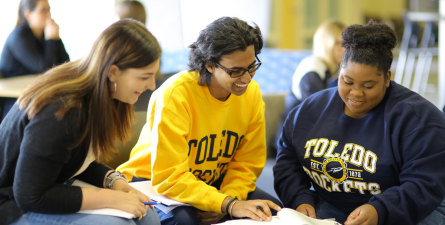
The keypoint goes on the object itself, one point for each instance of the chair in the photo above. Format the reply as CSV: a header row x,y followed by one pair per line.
x,y
414,54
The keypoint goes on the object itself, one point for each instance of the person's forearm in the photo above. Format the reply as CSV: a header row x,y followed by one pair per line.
x,y
95,198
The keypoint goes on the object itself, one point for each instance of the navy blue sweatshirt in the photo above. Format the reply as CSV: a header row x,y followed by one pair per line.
x,y
393,158
36,160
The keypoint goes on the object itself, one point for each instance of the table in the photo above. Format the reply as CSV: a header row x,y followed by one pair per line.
x,y
13,87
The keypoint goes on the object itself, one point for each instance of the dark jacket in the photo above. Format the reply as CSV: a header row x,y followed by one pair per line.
x,y
36,160
24,54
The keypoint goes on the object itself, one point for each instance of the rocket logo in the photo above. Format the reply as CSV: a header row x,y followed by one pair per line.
x,y
335,169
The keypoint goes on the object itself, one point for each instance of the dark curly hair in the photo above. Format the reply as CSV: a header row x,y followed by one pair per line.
x,y
222,37
369,44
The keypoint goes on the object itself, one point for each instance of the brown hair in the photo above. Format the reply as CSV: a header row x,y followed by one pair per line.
x,y
84,84
132,9
25,5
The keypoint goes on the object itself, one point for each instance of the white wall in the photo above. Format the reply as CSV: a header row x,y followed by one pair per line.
x,y
81,22
176,23
8,17
197,14
164,21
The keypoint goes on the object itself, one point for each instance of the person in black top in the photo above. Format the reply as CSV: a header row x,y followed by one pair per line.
x,y
33,46
65,122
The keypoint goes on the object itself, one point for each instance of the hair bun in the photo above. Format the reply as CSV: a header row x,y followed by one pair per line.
x,y
372,35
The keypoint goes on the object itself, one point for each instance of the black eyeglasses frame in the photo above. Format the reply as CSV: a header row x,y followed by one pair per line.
x,y
256,65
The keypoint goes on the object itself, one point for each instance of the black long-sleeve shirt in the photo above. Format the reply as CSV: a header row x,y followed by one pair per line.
x,y
35,161
24,54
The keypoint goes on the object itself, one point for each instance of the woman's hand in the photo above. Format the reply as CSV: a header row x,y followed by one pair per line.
x,y
365,214
209,217
51,30
96,198
121,185
130,202
307,210
258,210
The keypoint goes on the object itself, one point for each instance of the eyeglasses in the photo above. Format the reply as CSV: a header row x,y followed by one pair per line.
x,y
241,72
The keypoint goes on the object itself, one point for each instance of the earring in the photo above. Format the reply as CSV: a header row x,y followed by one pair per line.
x,y
115,87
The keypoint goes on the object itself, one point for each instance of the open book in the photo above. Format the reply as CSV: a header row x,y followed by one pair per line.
x,y
286,216
166,204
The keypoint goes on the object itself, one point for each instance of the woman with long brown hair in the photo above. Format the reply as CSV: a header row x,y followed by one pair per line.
x,y
65,122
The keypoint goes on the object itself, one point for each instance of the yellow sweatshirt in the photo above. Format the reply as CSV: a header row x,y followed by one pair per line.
x,y
190,138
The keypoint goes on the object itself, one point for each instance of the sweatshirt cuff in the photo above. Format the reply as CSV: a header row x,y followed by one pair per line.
x,y
233,193
304,199
215,201
381,211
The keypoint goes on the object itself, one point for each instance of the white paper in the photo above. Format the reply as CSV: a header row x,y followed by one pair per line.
x,y
286,216
167,203
146,188
109,212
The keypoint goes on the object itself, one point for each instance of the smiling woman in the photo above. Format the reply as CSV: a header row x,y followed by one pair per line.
x,y
371,148
361,88
132,81
66,121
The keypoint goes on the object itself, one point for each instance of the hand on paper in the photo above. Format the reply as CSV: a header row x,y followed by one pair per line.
x,y
365,214
307,210
131,202
96,198
258,210
120,185
209,217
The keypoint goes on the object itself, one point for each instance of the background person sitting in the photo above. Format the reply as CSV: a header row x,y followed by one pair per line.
x,y
316,72
33,46
132,9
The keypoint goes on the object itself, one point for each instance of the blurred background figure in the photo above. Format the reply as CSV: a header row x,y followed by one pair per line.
x,y
131,9
32,47
315,72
